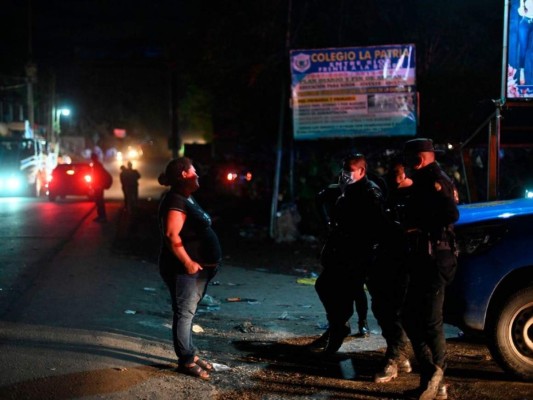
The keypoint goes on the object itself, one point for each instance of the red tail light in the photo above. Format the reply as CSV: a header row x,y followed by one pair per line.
x,y
231,176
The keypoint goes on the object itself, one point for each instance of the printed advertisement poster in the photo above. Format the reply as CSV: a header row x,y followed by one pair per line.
x,y
354,92
520,50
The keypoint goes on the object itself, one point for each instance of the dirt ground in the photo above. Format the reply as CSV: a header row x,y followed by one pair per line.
x,y
270,360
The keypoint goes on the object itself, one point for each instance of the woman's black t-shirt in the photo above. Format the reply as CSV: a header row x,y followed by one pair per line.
x,y
199,239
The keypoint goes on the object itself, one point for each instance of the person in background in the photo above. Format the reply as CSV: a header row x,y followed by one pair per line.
x,y
387,281
122,177
101,180
430,212
357,218
129,178
189,258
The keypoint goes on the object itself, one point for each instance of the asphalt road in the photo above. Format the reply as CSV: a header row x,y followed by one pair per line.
x,y
94,323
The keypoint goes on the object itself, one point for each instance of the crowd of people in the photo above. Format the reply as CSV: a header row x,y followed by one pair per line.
x,y
400,244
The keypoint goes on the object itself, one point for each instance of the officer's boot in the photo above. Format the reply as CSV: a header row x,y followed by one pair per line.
x,y
442,393
320,343
364,331
388,373
392,368
430,390
336,338
404,365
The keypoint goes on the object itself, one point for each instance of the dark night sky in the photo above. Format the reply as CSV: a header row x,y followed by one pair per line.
x,y
111,59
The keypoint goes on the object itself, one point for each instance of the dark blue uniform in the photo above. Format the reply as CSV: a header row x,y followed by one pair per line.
x,y
430,212
357,219
387,280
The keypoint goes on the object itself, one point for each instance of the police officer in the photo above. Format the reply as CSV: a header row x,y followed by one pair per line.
x,y
430,212
326,200
387,281
357,219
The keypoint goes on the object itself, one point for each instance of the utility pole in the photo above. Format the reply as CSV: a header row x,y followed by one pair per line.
x,y
493,175
31,71
279,146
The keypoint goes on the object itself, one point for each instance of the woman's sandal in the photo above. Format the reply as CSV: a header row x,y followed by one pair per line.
x,y
194,370
204,364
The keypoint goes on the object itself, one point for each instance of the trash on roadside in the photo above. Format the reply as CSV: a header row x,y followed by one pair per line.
x,y
300,270
208,300
121,369
246,327
220,367
131,312
323,325
286,316
149,289
287,220
239,300
197,329
215,283
306,281
208,309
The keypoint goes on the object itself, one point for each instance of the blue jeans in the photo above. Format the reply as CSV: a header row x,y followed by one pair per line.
x,y
186,291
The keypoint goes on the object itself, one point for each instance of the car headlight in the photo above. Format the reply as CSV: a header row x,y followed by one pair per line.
x,y
11,183
133,154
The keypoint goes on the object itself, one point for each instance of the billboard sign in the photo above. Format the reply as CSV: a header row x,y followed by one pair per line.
x,y
354,92
519,74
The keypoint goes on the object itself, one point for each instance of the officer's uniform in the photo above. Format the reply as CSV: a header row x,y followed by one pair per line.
x,y
387,283
357,219
431,264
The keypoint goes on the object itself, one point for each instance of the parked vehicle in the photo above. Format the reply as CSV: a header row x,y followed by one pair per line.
x,y
70,180
130,153
25,162
492,292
